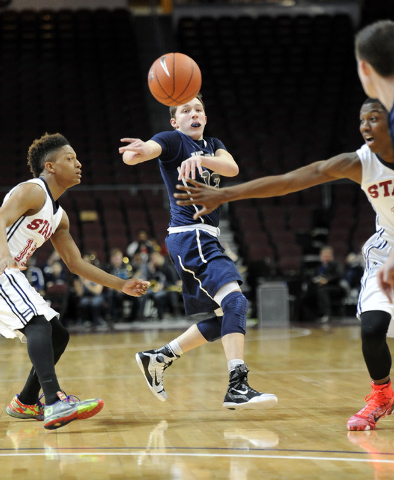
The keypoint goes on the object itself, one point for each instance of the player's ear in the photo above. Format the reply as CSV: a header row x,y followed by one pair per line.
x,y
365,67
49,167
174,123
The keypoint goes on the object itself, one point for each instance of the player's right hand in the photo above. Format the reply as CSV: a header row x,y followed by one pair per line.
x,y
9,262
135,287
385,278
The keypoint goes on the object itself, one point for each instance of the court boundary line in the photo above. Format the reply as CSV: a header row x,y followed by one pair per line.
x,y
55,453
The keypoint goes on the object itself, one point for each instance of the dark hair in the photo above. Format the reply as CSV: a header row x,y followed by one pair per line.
x,y
173,109
375,44
41,149
374,100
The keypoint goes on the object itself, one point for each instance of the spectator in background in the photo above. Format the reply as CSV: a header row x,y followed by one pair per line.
x,y
138,266
115,298
47,266
354,269
57,291
141,245
90,297
165,285
324,288
35,276
57,274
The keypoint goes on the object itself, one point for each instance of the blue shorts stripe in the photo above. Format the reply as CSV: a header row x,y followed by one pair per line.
x,y
25,299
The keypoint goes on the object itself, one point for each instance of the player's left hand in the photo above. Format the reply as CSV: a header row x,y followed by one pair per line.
x,y
135,287
189,166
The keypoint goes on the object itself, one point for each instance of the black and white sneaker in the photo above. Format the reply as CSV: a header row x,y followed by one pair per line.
x,y
241,396
152,364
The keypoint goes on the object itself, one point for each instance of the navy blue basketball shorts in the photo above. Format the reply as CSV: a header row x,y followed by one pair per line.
x,y
203,267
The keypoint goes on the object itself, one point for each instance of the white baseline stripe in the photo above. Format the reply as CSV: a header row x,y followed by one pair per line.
x,y
212,455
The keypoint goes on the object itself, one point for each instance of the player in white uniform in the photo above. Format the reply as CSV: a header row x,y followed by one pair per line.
x,y
374,48
30,215
372,166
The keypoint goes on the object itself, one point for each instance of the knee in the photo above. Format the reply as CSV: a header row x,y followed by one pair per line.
x,y
372,337
210,329
60,336
235,308
374,326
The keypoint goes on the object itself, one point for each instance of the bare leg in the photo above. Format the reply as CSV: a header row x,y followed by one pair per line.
x,y
190,339
233,345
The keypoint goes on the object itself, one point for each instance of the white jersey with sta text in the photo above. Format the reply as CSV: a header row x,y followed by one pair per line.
x,y
19,301
30,232
378,185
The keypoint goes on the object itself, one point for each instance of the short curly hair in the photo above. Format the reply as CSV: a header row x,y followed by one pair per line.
x,y
41,149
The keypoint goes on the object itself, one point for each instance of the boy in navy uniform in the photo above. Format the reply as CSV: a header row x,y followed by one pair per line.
x,y
211,282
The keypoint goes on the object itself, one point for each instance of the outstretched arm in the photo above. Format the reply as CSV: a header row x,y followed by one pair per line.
x,y
346,165
69,252
138,151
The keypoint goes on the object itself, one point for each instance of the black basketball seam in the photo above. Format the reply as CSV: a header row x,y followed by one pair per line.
x,y
160,85
187,86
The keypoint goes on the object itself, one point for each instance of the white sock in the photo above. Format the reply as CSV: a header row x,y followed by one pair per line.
x,y
175,347
233,363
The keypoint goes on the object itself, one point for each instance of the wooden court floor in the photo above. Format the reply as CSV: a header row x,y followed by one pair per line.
x,y
318,375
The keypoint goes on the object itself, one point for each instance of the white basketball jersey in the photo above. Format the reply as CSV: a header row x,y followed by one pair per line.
x,y
19,301
30,232
378,184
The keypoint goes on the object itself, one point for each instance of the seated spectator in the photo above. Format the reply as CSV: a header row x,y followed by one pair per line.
x,y
57,291
90,297
116,299
56,275
141,245
47,266
354,269
324,288
35,276
165,285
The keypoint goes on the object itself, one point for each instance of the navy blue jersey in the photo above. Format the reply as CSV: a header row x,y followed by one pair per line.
x,y
177,147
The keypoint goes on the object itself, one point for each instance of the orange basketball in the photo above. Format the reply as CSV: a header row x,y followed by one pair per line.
x,y
174,79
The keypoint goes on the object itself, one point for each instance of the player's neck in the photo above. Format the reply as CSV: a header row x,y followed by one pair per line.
x,y
54,187
385,92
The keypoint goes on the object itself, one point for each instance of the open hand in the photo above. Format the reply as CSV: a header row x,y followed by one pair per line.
x,y
200,194
135,287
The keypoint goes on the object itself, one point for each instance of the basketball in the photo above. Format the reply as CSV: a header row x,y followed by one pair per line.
x,y
174,79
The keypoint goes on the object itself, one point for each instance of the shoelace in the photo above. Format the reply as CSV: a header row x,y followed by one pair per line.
x,y
160,374
39,403
376,399
242,383
70,398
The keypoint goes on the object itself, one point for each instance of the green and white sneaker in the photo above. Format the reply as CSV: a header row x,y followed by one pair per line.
x,y
69,408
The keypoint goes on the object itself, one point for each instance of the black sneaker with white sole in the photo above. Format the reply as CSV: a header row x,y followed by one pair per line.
x,y
152,364
241,396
